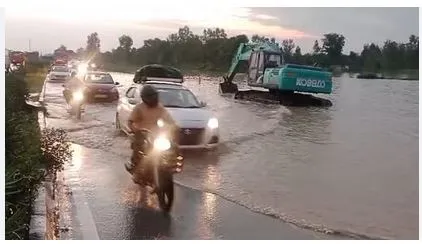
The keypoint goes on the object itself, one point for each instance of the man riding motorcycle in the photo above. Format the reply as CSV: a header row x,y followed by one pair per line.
x,y
145,115
72,85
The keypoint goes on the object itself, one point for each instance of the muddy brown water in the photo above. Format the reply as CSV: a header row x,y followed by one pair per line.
x,y
352,167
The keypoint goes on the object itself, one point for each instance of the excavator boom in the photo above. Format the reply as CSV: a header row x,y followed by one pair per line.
x,y
240,62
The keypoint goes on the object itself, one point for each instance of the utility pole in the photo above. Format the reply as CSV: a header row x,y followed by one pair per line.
x,y
29,44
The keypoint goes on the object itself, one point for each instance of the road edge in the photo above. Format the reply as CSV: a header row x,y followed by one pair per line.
x,y
44,216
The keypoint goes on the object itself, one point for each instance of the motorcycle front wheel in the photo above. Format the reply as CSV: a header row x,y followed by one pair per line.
x,y
78,113
166,191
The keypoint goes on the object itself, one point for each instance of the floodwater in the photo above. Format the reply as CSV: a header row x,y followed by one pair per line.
x,y
352,167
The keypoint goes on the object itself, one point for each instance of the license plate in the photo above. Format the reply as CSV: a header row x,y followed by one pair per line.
x,y
101,96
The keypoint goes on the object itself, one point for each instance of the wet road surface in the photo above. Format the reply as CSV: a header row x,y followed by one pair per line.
x,y
349,168
105,204
98,199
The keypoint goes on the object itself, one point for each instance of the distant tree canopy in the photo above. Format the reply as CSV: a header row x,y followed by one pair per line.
x,y
214,50
93,44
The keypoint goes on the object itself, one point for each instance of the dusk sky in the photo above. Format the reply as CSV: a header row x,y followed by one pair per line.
x,y
49,26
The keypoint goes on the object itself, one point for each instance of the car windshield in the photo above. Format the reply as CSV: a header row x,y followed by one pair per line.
x,y
99,78
60,69
178,98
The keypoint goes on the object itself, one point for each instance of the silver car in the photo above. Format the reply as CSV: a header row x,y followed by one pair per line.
x,y
59,74
199,129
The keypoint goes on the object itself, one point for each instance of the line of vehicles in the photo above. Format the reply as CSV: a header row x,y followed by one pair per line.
x,y
198,127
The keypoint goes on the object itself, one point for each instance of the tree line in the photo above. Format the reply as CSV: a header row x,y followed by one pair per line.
x,y
213,50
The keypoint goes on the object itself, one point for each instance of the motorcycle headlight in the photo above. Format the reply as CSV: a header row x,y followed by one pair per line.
x,y
161,143
78,96
82,68
160,123
213,123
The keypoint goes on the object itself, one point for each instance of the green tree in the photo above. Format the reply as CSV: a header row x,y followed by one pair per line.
x,y
354,61
391,54
125,42
123,52
209,34
297,56
332,46
258,38
214,50
287,47
412,54
93,44
316,47
371,56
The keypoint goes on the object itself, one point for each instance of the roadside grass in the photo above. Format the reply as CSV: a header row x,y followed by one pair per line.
x,y
31,154
34,79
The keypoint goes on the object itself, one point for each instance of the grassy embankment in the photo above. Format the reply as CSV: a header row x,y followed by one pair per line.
x,y
31,154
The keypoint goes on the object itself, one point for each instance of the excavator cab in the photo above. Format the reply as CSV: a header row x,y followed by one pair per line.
x,y
259,62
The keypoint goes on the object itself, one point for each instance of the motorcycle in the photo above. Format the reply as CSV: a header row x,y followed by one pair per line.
x,y
159,160
77,101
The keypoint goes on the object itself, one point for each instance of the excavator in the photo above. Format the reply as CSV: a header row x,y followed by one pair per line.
x,y
272,80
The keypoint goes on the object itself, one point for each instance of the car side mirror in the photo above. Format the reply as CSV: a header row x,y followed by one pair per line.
x,y
203,104
116,83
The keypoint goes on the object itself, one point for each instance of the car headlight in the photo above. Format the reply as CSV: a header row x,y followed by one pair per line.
x,y
78,96
161,143
213,123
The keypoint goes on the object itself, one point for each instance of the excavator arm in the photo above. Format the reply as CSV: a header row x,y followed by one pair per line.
x,y
240,63
241,58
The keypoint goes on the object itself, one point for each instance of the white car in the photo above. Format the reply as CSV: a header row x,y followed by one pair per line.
x,y
59,74
198,127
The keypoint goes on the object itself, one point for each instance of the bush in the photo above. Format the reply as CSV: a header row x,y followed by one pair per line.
x,y
30,156
56,150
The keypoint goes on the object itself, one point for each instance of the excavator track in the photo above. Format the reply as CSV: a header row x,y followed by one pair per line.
x,y
293,99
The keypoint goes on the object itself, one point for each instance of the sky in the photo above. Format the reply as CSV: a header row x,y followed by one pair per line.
x,y
46,27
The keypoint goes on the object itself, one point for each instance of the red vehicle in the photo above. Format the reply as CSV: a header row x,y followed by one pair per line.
x,y
59,62
17,58
101,86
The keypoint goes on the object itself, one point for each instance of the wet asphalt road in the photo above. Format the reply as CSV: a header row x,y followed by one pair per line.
x,y
105,204
98,200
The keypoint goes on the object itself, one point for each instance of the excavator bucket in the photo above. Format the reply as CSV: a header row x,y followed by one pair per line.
x,y
228,87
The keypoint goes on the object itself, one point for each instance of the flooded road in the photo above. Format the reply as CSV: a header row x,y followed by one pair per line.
x,y
350,168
